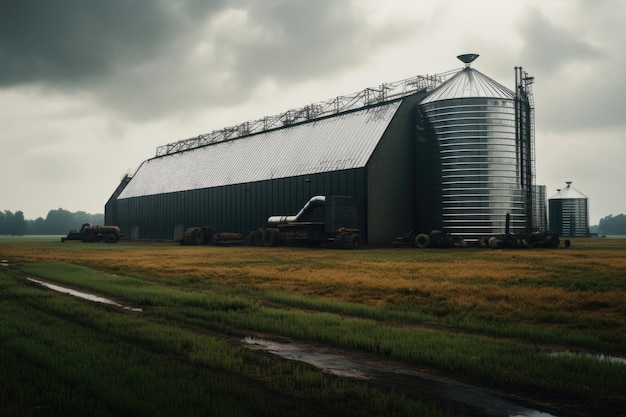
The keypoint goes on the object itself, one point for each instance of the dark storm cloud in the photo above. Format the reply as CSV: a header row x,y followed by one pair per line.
x,y
142,59
65,42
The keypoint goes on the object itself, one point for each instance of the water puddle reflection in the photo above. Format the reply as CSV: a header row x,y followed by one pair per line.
x,y
599,357
83,295
343,364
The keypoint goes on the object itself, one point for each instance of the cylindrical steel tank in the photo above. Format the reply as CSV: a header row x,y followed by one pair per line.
x,y
569,212
473,162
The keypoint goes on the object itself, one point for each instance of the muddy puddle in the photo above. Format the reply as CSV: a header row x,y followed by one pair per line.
x,y
345,365
599,357
83,295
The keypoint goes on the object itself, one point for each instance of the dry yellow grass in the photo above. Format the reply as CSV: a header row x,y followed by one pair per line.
x,y
587,279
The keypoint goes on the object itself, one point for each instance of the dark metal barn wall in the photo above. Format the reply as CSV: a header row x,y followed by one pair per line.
x,y
391,177
110,208
235,208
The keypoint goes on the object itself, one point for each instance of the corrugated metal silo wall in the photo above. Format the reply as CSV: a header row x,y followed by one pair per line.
x,y
568,217
234,208
555,218
391,177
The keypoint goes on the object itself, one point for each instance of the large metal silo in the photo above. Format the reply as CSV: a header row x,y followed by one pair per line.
x,y
569,212
474,156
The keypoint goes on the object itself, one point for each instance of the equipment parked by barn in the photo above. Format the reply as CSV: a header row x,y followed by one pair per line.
x,y
339,212
545,239
433,239
89,233
205,235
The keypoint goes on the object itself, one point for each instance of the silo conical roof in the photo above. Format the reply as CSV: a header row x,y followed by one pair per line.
x,y
469,83
568,192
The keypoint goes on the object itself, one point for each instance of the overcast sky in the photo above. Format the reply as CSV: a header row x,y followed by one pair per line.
x,y
90,89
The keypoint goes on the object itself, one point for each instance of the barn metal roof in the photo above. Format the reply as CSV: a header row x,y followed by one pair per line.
x,y
469,83
341,142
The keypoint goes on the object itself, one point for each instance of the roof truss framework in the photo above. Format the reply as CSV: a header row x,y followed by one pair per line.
x,y
341,104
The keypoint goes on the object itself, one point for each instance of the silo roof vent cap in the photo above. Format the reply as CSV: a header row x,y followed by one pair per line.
x,y
467,59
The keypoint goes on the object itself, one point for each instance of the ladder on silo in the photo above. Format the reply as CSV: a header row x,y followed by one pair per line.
x,y
535,217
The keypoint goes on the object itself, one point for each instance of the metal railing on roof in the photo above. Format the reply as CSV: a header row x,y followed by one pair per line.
x,y
341,104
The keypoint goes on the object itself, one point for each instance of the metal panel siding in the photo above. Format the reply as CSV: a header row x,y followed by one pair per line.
x,y
391,178
342,142
236,208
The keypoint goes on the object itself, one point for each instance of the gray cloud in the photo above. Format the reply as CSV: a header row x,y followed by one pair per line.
x,y
305,39
69,42
143,59
549,48
577,68
117,78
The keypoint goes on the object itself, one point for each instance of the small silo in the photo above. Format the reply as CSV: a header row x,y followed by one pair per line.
x,y
569,212
474,156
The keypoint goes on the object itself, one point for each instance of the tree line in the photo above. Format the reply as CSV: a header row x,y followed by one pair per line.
x,y
57,222
613,225
60,221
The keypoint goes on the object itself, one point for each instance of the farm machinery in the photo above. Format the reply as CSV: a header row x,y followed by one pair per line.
x,y
297,230
433,239
439,239
89,233
544,239
205,235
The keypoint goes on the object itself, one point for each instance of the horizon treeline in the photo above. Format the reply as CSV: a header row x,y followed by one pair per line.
x,y
613,225
57,222
61,221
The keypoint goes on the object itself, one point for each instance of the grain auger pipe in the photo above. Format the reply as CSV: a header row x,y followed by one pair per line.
x,y
312,204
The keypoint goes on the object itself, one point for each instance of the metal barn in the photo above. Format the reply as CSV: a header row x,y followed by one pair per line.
x,y
425,153
236,184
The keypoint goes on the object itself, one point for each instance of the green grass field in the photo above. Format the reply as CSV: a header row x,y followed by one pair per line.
x,y
489,318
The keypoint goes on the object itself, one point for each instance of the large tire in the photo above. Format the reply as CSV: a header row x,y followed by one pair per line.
x,y
551,241
258,237
494,242
197,237
110,238
354,241
250,238
422,241
271,237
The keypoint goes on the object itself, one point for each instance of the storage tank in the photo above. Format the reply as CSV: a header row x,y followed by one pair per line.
x,y
474,156
569,212
540,209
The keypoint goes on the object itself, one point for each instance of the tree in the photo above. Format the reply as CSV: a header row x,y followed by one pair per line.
x,y
19,224
57,222
12,223
60,221
613,225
